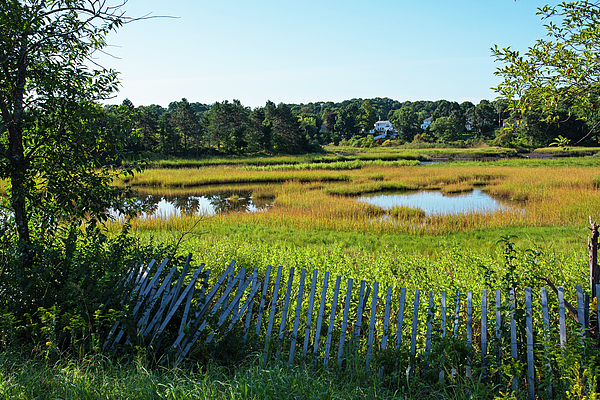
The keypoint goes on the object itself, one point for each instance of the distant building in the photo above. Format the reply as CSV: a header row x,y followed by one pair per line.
x,y
426,123
383,130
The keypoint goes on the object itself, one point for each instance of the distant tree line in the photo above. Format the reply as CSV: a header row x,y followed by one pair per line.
x,y
194,129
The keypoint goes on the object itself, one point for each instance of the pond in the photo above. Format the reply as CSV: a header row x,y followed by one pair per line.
x,y
438,203
207,204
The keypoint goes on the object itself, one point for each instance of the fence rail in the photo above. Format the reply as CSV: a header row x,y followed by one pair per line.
x,y
361,322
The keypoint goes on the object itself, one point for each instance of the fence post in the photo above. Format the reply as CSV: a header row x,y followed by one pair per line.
x,y
336,293
272,313
372,324
321,311
311,304
413,339
513,336
297,318
529,333
345,321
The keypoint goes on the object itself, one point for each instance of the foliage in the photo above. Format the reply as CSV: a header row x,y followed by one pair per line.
x,y
558,72
59,149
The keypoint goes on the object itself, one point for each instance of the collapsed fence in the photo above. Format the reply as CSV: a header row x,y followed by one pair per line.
x,y
508,335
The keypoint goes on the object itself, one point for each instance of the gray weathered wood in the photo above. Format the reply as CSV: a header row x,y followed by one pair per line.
x,y
359,311
562,320
513,334
309,316
250,306
499,325
469,332
413,338
286,307
386,323
297,317
580,310
336,292
272,314
400,317
429,324
456,313
546,322
182,340
529,335
321,311
176,304
345,321
483,326
263,297
415,322
372,324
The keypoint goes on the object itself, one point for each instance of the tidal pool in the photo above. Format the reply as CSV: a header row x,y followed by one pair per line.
x,y
437,203
208,204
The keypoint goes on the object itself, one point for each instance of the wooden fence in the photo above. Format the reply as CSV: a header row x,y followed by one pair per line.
x,y
330,321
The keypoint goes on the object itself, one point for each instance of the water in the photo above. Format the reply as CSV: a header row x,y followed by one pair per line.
x,y
438,203
208,204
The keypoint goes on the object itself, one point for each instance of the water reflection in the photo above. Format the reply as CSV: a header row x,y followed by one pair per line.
x,y
207,204
438,203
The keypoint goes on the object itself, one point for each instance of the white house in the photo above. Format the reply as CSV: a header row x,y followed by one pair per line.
x,y
383,126
426,123
383,129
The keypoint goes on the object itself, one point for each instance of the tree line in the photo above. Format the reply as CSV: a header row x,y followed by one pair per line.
x,y
195,129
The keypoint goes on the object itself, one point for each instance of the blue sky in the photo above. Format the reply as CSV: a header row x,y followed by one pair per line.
x,y
327,50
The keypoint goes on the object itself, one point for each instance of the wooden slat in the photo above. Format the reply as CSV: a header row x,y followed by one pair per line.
x,y
336,292
263,297
345,321
562,320
178,302
499,325
400,317
272,314
182,340
297,317
386,323
359,311
187,344
483,326
309,316
413,339
529,335
186,310
443,312
513,334
321,311
250,306
469,332
284,314
231,308
372,324
429,324
580,310
456,313
546,322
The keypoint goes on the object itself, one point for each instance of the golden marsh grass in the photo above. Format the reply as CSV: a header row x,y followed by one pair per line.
x,y
322,199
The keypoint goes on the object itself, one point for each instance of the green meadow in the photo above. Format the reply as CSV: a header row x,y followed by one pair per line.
x,y
316,222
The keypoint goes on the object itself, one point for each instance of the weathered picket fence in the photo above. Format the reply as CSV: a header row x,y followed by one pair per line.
x,y
359,324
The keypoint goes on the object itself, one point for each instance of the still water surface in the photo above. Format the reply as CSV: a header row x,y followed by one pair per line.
x,y
208,204
438,203
243,202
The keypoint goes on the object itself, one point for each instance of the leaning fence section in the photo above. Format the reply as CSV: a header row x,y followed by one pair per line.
x,y
312,317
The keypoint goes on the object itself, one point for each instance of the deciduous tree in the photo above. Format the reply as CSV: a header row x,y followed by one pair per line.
x,y
561,71
59,148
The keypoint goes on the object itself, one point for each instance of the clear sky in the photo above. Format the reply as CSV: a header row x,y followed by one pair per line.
x,y
325,50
